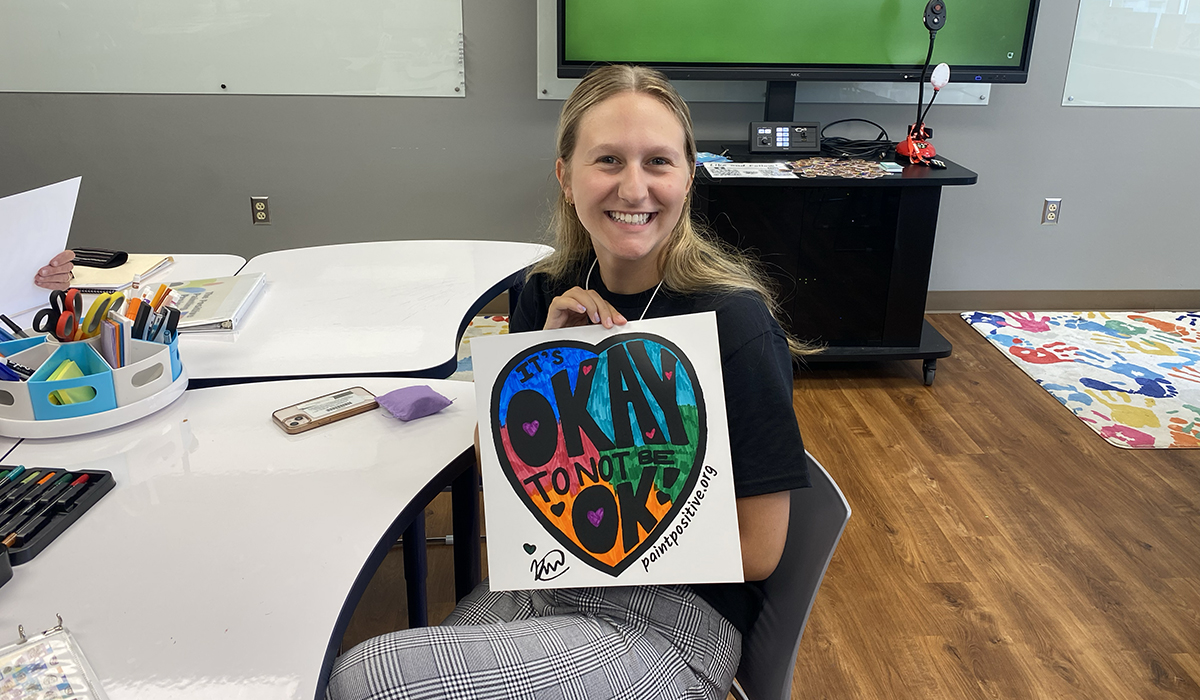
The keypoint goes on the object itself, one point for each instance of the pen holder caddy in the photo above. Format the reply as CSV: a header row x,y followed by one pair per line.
x,y
153,374
98,484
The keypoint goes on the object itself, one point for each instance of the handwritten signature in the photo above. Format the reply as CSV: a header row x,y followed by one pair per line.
x,y
547,568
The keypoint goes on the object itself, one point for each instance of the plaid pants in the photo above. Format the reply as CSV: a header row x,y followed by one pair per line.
x,y
638,643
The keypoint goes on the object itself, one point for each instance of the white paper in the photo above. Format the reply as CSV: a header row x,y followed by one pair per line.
x,y
33,229
559,509
751,170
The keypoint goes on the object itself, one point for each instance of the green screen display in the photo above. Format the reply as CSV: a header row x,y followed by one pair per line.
x,y
831,33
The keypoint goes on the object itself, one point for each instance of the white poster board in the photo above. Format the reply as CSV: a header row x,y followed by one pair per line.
x,y
606,456
244,47
1135,53
34,226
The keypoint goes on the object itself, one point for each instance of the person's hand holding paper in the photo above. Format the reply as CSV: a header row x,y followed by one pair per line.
x,y
33,229
57,274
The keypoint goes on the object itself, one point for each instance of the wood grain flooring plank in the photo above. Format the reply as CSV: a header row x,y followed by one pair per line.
x,y
1074,562
1190,663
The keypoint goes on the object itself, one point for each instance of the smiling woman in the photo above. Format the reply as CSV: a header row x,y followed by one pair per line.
x,y
628,181
626,248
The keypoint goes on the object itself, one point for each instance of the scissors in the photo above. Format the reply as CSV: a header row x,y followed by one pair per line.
x,y
63,317
98,312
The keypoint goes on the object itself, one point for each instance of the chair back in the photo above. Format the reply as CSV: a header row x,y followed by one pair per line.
x,y
818,517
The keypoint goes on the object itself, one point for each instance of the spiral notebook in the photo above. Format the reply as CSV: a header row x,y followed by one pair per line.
x,y
96,280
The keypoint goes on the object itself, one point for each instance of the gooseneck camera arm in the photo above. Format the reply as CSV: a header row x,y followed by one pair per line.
x,y
924,74
935,19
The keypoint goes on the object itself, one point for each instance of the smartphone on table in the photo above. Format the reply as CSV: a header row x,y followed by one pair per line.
x,y
323,410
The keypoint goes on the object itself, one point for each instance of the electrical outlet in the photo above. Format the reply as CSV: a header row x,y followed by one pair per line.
x,y
260,213
1051,211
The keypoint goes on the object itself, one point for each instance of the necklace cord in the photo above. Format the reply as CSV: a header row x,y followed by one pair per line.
x,y
587,285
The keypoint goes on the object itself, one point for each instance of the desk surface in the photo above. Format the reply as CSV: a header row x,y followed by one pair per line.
x,y
218,565
192,266
388,307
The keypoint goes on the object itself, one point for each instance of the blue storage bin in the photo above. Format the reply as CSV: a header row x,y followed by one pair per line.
x,y
12,347
176,363
97,375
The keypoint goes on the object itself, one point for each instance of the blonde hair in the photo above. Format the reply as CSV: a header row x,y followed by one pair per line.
x,y
693,260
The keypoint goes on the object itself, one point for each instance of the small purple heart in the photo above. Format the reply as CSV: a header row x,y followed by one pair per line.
x,y
595,516
530,427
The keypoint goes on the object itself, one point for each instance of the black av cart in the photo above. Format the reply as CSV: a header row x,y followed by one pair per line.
x,y
851,257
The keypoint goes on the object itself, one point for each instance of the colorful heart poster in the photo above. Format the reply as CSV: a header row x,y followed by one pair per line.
x,y
606,456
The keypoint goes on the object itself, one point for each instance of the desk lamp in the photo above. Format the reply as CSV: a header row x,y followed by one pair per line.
x,y
916,146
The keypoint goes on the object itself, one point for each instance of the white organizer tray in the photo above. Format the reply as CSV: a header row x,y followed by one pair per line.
x,y
80,425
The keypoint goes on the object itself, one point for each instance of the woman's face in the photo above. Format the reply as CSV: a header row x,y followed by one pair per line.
x,y
629,177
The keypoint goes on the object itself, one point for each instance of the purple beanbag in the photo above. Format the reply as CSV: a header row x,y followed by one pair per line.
x,y
413,402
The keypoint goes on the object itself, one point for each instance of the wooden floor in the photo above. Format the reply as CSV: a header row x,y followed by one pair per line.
x,y
998,547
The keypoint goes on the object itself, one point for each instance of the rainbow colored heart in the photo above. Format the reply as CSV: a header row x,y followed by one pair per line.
x,y
606,441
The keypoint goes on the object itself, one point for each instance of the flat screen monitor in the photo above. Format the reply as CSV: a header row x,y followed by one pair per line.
x,y
797,40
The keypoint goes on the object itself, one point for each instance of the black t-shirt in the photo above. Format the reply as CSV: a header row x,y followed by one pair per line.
x,y
764,440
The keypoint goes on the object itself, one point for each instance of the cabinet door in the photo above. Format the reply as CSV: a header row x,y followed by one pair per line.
x,y
828,249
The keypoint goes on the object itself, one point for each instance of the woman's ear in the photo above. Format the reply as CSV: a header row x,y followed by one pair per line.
x,y
560,172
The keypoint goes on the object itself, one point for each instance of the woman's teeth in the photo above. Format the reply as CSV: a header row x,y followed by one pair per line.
x,y
623,218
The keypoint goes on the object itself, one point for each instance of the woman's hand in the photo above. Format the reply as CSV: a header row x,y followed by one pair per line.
x,y
57,275
579,307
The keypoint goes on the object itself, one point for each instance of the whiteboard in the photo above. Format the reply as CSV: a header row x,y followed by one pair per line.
x,y
1135,53
258,47
551,87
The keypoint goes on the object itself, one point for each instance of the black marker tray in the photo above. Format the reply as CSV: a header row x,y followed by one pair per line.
x,y
5,567
99,483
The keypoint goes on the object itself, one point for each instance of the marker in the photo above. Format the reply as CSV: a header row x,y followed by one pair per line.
x,y
15,328
31,494
159,296
7,374
21,369
15,491
46,497
35,523
10,479
155,325
170,325
139,323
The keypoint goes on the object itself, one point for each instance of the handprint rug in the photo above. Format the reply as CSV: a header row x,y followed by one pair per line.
x,y
1134,378
605,456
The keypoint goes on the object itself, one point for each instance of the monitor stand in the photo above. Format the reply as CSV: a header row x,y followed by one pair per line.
x,y
781,101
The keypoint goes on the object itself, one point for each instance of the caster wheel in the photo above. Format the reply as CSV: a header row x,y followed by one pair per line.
x,y
930,368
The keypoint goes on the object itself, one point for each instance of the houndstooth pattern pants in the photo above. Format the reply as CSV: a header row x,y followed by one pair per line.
x,y
639,643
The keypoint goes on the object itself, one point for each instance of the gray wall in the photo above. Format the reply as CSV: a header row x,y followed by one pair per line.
x,y
174,173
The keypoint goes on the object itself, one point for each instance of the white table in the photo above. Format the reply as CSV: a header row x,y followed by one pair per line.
x,y
389,307
6,445
193,266
229,556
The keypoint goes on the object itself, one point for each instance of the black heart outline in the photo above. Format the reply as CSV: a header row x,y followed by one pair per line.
x,y
684,493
